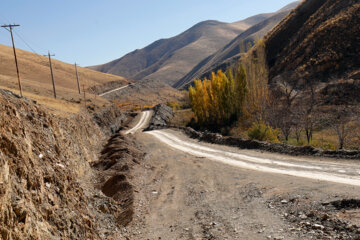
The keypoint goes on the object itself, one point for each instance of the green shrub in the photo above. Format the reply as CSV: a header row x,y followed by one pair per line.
x,y
324,145
262,132
174,105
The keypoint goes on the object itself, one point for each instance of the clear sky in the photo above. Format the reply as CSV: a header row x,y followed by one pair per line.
x,y
93,32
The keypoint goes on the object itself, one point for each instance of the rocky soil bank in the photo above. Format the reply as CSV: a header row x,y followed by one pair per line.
x,y
48,187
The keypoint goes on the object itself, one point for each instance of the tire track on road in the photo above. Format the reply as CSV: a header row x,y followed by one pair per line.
x,y
324,172
145,116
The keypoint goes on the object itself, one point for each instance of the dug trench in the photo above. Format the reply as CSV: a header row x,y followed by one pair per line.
x,y
117,159
58,180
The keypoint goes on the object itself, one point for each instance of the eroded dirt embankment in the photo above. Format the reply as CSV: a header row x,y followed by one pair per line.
x,y
48,189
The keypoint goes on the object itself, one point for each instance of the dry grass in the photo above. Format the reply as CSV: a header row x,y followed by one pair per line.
x,y
37,85
54,104
182,117
64,107
34,71
325,139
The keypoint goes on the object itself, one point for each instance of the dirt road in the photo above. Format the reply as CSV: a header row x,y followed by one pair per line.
x,y
114,90
191,190
141,122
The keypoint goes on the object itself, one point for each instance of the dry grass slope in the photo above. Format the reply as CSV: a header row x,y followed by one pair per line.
x,y
36,78
319,41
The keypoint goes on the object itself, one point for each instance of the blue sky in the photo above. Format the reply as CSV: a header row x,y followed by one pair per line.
x,y
93,32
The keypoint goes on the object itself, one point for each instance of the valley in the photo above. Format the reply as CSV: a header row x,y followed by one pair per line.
x,y
247,129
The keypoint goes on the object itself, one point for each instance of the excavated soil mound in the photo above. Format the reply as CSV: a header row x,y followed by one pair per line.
x,y
118,157
47,184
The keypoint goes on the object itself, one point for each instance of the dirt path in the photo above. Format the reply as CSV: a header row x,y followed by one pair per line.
x,y
114,90
141,122
272,163
184,194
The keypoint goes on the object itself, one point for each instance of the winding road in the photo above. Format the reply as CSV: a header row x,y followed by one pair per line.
x,y
141,123
271,163
325,171
186,189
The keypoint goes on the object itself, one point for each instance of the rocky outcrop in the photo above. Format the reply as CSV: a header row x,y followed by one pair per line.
x,y
109,119
46,179
161,117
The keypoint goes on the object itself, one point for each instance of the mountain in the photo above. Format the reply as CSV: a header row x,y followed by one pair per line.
x,y
233,50
36,78
168,60
315,47
319,41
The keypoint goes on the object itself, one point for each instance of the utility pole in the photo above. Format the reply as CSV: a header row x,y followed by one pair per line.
x,y
51,70
77,78
10,26
84,95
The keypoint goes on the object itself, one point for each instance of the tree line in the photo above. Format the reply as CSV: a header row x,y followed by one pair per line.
x,y
289,106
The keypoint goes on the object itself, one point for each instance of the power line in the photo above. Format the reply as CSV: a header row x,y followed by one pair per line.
x,y
4,18
28,45
23,40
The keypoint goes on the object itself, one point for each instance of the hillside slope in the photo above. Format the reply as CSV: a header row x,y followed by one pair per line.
x,y
36,78
168,60
50,187
232,51
319,42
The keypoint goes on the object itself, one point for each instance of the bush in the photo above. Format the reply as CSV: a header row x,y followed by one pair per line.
x,y
174,105
262,132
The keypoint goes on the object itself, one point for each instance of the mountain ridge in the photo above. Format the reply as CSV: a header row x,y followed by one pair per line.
x,y
230,53
168,60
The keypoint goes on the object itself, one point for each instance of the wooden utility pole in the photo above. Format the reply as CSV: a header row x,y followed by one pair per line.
x,y
77,78
52,74
10,26
84,95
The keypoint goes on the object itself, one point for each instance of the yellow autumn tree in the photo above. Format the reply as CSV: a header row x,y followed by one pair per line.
x,y
218,101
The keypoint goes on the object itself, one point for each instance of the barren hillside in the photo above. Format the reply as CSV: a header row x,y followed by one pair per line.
x,y
319,42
